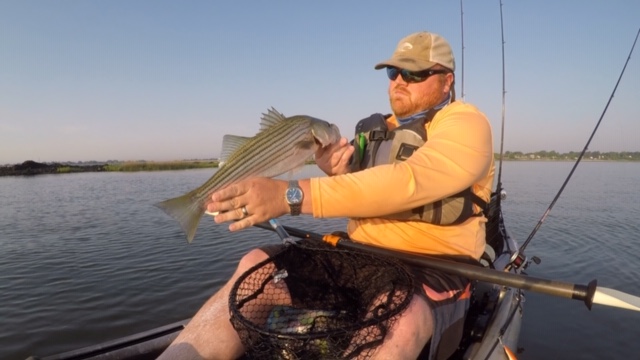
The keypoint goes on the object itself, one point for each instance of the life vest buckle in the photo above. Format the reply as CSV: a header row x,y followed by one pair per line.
x,y
377,135
405,151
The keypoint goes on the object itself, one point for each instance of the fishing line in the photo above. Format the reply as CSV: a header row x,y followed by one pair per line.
x,y
518,253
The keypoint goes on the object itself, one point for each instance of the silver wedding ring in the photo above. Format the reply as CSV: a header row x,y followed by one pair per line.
x,y
244,211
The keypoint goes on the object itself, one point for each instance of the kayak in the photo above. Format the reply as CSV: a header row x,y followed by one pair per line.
x,y
491,332
495,317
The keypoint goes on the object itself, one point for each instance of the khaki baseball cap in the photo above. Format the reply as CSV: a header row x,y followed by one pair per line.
x,y
420,51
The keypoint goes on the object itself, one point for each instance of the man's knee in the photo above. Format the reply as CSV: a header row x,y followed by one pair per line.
x,y
419,317
410,332
250,259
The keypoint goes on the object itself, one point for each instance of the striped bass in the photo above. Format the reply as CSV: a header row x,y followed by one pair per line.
x,y
282,145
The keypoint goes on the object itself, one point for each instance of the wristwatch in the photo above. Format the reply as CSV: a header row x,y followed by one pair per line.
x,y
294,196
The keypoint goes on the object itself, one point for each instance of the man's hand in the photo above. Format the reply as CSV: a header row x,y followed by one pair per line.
x,y
334,159
249,202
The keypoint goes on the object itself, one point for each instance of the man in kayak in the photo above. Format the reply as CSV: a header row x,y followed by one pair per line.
x,y
416,180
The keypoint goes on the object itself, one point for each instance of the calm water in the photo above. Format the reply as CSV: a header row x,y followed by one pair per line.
x,y
85,257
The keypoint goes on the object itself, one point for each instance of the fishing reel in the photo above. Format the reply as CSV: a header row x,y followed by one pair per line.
x,y
520,261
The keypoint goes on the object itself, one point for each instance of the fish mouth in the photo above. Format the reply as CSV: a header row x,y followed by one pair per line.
x,y
335,134
330,136
319,143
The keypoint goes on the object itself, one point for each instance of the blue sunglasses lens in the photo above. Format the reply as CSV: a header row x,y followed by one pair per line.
x,y
392,73
407,76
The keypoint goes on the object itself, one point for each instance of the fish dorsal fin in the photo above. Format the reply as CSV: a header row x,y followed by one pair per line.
x,y
231,143
271,118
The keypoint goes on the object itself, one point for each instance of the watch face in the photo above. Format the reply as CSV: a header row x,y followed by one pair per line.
x,y
294,195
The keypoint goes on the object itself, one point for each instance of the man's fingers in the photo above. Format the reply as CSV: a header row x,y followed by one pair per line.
x,y
229,192
241,224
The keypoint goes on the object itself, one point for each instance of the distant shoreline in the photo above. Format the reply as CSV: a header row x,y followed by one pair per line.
x,y
30,167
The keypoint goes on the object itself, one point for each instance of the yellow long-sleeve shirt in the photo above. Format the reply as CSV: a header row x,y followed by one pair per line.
x,y
457,154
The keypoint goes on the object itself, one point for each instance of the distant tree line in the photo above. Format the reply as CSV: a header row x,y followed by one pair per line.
x,y
572,155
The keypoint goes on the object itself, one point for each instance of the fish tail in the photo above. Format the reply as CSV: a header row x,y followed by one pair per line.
x,y
184,210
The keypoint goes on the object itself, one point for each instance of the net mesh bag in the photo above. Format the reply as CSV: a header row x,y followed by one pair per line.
x,y
313,301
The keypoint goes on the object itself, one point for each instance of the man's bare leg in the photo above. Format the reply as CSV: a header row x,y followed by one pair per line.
x,y
209,334
409,333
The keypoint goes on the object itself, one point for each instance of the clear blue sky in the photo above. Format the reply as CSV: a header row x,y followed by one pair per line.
x,y
165,80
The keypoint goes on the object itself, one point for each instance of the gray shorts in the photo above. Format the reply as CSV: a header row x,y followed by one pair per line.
x,y
448,297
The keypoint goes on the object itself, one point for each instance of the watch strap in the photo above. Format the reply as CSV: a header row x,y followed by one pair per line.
x,y
296,208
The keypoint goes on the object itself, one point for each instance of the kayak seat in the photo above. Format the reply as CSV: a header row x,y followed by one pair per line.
x,y
488,257
495,230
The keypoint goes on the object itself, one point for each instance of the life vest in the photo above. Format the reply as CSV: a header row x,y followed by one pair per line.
x,y
375,145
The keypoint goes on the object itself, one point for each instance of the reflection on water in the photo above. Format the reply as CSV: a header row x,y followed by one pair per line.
x,y
86,258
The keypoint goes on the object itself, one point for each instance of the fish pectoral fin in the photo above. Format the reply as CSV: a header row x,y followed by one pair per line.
x,y
306,144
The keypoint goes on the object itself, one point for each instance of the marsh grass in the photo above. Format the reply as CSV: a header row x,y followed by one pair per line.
x,y
158,166
65,169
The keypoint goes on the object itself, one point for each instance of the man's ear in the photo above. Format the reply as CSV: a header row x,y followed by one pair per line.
x,y
449,79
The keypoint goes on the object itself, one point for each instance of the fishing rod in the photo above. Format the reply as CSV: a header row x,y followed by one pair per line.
x,y
504,93
590,294
518,259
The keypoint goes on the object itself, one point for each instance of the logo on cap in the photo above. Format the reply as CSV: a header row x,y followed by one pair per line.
x,y
406,47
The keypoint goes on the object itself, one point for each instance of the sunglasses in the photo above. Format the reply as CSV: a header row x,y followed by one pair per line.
x,y
412,76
